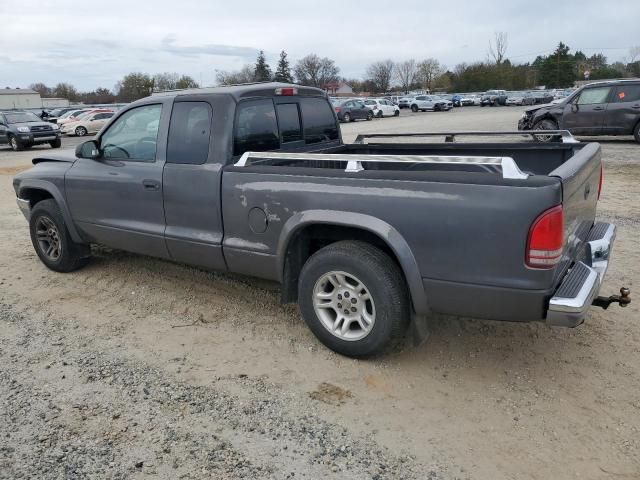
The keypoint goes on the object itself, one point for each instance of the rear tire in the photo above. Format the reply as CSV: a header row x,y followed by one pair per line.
x,y
396,113
380,114
369,116
636,132
81,131
52,241
357,278
346,118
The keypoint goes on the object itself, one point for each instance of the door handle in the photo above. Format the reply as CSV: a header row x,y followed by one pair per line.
x,y
636,107
151,185
598,108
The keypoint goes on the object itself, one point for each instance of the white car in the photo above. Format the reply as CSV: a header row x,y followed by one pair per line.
x,y
421,102
91,123
382,107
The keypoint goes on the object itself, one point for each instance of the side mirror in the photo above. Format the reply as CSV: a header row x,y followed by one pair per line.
x,y
89,150
574,107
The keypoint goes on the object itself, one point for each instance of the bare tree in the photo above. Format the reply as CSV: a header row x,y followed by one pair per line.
x,y
380,74
244,75
634,53
41,88
315,71
498,48
428,71
406,74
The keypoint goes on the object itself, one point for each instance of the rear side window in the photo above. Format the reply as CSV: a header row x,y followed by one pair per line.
x,y
256,127
318,120
627,93
189,133
289,120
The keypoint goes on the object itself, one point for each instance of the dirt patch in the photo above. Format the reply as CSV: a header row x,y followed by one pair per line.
x,y
331,394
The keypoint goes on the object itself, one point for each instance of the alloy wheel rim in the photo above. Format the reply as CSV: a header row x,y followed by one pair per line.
x,y
48,238
344,305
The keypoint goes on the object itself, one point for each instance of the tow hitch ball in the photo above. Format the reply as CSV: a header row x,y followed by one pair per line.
x,y
623,299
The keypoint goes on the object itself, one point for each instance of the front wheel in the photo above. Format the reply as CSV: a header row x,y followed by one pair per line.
x,y
545,124
380,114
396,113
52,241
15,144
414,108
81,131
353,298
636,132
369,115
57,143
346,118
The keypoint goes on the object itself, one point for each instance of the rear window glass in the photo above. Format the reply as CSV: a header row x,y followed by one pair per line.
x,y
318,120
256,127
627,93
289,120
189,133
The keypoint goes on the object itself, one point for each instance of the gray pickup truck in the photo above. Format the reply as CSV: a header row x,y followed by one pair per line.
x,y
255,179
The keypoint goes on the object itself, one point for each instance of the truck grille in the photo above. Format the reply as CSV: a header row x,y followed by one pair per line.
x,y
41,128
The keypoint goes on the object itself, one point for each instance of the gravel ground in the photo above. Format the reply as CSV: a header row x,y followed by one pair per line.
x,y
134,367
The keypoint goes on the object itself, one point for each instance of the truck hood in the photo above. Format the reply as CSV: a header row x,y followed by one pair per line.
x,y
31,124
64,156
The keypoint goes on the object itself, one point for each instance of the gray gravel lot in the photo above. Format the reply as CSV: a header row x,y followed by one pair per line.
x,y
138,368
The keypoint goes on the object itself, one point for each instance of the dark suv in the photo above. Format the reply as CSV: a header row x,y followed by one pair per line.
x,y
603,108
22,130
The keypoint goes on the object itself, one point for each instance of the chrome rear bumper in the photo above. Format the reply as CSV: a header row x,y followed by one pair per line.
x,y
571,301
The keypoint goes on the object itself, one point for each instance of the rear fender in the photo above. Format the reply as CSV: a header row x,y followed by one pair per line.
x,y
383,230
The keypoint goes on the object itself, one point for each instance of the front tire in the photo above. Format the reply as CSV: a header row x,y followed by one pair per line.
x,y
636,132
353,298
414,108
15,144
81,131
396,113
52,241
346,118
57,143
545,124
369,115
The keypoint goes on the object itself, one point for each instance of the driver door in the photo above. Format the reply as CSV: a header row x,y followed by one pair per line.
x,y
116,200
586,114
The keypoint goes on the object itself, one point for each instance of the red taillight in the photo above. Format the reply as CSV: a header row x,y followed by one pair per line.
x,y
337,109
600,181
546,239
286,91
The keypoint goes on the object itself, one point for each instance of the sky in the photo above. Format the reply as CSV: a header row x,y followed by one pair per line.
x,y
94,44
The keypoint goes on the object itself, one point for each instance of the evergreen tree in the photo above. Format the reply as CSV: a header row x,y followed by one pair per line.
x,y
283,72
262,72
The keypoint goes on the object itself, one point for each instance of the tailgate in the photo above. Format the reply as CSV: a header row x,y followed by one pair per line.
x,y
580,176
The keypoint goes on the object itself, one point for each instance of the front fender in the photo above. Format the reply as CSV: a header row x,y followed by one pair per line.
x,y
380,228
51,188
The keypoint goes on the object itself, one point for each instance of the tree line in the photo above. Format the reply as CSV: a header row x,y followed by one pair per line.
x,y
133,86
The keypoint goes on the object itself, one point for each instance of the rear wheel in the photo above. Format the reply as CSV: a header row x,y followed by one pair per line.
x,y
636,132
414,108
353,298
380,114
369,115
51,239
346,118
81,131
396,113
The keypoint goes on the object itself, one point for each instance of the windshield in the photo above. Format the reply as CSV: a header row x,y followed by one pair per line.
x,y
21,117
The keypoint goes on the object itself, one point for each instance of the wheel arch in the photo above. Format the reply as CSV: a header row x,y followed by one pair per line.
x,y
306,232
37,190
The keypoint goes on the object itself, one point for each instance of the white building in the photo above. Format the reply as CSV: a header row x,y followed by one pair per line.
x,y
55,102
19,98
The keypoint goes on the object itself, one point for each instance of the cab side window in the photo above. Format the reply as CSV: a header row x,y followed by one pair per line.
x,y
133,136
627,93
189,133
593,96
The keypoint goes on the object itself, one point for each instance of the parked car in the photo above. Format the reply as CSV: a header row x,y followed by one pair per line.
x,y
405,102
86,124
382,107
352,110
470,100
541,97
520,98
457,100
22,130
494,98
56,113
340,226
72,115
603,108
441,103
